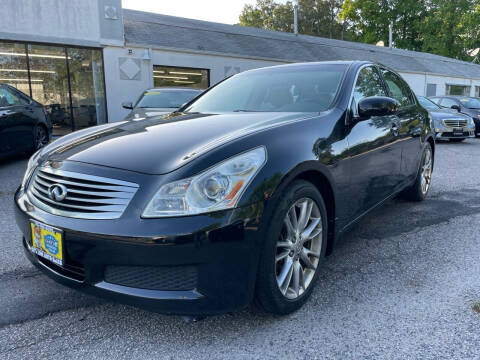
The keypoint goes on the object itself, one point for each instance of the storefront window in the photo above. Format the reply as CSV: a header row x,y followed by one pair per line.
x,y
180,77
49,81
86,81
13,66
477,91
69,82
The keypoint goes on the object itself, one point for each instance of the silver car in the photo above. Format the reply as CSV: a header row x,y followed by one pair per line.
x,y
159,101
448,124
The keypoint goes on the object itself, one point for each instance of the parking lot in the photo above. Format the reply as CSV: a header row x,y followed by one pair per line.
x,y
401,284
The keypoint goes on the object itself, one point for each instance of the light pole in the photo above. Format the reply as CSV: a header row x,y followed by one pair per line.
x,y
295,17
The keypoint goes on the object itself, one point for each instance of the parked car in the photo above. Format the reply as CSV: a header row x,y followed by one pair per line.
x,y
159,101
466,105
24,125
449,124
237,195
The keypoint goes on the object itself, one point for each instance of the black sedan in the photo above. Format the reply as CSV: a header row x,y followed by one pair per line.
x,y
238,195
466,105
159,101
24,125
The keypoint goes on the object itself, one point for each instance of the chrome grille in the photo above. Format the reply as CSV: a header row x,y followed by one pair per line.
x,y
88,196
455,123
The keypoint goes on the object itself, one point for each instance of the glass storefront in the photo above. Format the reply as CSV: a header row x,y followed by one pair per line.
x,y
69,82
13,66
180,77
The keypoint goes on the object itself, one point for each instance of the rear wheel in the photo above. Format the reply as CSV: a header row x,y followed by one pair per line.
x,y
419,190
293,249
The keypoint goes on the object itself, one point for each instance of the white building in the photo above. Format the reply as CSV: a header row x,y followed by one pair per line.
x,y
83,58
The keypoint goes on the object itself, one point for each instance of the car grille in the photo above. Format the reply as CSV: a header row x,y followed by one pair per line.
x,y
455,123
167,278
88,196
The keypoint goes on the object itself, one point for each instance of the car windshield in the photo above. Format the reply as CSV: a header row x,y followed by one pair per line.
x,y
165,98
428,104
470,103
308,88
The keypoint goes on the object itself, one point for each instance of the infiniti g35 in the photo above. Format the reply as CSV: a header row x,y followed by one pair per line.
x,y
237,196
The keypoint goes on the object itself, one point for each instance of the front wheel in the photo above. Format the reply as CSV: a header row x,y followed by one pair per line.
x,y
293,250
419,190
40,136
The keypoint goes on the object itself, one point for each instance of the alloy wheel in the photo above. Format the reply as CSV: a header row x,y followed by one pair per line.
x,y
41,138
426,171
298,248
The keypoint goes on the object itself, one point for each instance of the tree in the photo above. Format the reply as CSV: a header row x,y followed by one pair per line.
x,y
444,27
451,27
316,17
369,21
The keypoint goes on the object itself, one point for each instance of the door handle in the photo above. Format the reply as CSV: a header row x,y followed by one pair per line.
x,y
394,129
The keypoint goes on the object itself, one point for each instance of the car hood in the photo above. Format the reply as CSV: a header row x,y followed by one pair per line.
x,y
442,114
142,113
160,145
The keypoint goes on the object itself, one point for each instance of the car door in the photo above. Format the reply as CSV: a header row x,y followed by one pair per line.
x,y
17,122
411,122
374,155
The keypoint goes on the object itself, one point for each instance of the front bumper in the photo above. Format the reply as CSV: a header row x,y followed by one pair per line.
x,y
196,265
445,132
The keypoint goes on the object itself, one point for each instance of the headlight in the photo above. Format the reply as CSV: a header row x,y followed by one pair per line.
x,y
217,188
32,164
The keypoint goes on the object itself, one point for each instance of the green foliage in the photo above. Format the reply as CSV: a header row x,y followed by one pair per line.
x,y
444,27
316,17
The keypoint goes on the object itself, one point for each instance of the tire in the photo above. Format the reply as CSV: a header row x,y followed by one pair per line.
x,y
417,191
268,294
40,137
457,140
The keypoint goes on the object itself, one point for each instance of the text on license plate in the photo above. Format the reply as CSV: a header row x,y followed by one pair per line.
x,y
47,242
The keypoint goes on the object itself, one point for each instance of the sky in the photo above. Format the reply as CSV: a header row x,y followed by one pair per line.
x,y
223,11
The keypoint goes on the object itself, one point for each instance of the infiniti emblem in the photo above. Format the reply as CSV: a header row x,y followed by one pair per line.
x,y
57,192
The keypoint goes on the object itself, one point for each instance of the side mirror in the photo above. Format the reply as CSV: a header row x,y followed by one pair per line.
x,y
127,105
455,107
377,106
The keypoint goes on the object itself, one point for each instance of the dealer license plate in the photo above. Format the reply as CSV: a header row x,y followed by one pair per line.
x,y
458,132
47,242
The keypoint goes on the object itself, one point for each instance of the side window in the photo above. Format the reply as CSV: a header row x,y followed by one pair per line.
x,y
448,102
398,88
9,98
368,84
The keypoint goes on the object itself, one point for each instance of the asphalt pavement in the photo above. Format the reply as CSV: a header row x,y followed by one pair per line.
x,y
400,285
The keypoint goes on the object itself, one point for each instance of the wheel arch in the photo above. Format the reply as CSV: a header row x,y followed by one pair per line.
x,y
431,141
323,182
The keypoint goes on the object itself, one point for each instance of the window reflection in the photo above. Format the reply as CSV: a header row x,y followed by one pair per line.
x,y
49,81
86,81
13,66
69,82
